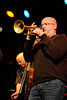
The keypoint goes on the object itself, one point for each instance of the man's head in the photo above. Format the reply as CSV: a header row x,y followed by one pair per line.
x,y
20,59
50,26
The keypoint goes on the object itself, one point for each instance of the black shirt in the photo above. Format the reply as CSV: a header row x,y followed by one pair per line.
x,y
49,56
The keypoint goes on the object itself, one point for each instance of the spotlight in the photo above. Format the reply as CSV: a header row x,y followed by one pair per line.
x,y
65,1
10,13
26,14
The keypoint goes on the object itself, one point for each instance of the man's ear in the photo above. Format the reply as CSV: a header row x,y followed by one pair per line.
x,y
55,27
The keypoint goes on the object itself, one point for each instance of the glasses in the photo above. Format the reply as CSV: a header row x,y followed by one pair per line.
x,y
47,24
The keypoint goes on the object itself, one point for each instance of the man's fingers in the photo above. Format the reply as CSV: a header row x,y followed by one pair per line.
x,y
33,23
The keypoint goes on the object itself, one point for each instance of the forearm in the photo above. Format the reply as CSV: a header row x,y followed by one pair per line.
x,y
28,55
18,87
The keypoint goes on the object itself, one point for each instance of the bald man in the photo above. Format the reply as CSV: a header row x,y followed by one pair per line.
x,y
49,57
21,61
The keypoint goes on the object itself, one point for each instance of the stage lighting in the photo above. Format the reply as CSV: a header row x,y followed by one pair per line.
x,y
26,14
65,1
10,13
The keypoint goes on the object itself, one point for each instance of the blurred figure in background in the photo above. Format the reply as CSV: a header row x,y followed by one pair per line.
x,y
25,91
1,55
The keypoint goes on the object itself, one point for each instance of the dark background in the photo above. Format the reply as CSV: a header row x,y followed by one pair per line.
x,y
12,43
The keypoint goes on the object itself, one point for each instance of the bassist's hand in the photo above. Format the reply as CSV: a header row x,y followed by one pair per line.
x,y
14,96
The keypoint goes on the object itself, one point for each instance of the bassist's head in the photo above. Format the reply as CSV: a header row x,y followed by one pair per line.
x,y
20,59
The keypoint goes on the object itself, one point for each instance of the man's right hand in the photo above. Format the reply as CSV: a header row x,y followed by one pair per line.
x,y
31,30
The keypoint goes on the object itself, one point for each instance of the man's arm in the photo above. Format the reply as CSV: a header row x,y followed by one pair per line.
x,y
28,52
18,87
15,95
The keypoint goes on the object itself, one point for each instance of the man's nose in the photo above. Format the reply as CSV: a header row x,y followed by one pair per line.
x,y
19,63
43,26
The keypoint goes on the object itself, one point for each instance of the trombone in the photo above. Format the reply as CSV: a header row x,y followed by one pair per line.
x,y
19,27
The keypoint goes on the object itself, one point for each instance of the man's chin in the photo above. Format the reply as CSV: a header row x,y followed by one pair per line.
x,y
23,65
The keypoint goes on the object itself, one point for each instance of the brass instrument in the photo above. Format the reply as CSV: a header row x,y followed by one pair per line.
x,y
19,27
